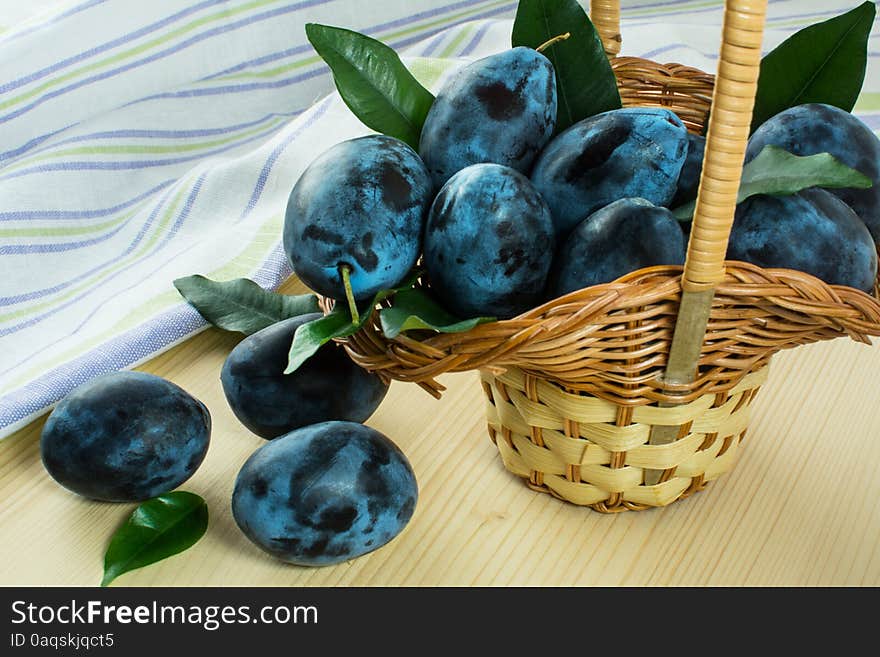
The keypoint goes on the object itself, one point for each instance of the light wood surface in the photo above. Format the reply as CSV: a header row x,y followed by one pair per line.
x,y
801,508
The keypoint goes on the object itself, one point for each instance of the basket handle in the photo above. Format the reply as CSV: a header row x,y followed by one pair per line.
x,y
730,118
605,15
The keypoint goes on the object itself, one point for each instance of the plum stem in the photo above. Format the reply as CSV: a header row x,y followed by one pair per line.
x,y
550,42
345,270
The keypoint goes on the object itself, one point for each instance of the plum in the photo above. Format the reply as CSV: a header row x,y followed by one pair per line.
x,y
499,109
622,153
125,437
324,493
362,204
818,128
689,178
626,235
812,231
328,386
488,242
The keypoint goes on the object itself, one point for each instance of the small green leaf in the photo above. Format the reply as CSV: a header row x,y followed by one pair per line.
x,y
585,82
776,171
822,63
413,309
311,336
158,528
242,305
373,82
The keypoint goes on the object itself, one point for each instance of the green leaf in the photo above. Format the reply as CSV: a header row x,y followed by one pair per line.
x,y
776,171
311,336
414,309
373,82
242,305
585,83
157,529
822,63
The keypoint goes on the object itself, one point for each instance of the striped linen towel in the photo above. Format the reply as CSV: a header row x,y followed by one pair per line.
x,y
141,142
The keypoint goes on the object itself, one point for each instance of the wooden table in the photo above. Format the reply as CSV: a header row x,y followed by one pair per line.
x,y
801,508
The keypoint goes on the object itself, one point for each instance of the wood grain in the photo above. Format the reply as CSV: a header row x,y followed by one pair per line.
x,y
799,509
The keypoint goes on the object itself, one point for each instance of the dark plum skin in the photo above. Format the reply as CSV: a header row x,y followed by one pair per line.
x,y
328,386
818,128
488,243
622,153
125,437
499,109
362,203
620,238
324,494
812,231
689,178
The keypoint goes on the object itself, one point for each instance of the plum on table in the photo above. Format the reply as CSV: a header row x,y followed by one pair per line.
x,y
125,437
324,494
327,386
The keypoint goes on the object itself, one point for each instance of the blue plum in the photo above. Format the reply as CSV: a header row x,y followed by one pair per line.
x,y
328,386
620,238
818,128
324,494
812,231
689,178
623,153
499,109
361,204
488,243
125,437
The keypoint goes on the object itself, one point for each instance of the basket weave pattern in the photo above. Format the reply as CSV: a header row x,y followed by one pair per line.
x,y
576,387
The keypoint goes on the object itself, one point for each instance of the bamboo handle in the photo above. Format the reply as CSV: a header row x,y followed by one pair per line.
x,y
730,118
605,15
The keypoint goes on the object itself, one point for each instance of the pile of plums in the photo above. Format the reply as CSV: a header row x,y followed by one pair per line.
x,y
506,215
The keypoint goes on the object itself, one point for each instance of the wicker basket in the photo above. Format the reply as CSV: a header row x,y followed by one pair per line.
x,y
636,393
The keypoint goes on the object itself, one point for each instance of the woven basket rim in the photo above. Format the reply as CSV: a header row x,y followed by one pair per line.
x,y
770,296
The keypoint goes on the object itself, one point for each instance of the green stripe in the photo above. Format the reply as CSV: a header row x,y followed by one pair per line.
x,y
189,27
868,100
255,252
64,231
137,149
453,45
278,70
97,278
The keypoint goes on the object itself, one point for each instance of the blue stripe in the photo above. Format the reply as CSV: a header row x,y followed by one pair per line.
x,y
52,21
124,165
284,54
27,215
164,53
131,36
276,153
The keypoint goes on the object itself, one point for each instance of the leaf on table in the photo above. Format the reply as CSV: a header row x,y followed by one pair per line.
x,y
414,309
822,63
373,82
157,529
776,171
241,304
585,82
